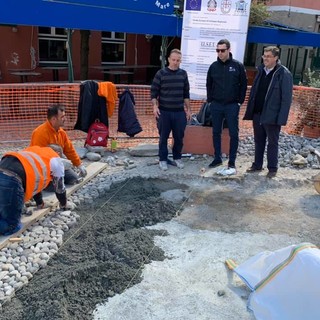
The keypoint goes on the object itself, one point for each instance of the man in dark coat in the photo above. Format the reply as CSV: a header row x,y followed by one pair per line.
x,y
268,108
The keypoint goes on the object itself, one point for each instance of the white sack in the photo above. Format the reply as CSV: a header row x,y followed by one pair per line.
x,y
285,283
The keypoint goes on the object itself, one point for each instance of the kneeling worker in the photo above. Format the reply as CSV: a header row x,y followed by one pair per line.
x,y
23,175
51,132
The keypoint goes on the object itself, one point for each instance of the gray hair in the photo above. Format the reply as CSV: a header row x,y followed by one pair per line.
x,y
56,148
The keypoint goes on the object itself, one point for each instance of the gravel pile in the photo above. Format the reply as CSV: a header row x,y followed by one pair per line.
x,y
290,148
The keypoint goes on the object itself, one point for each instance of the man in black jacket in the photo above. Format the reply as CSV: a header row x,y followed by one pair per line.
x,y
268,108
226,91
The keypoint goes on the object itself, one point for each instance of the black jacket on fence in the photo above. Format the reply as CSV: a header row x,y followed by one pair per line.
x,y
91,106
127,117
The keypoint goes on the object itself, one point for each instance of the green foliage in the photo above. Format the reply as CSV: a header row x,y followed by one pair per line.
x,y
178,7
258,13
313,78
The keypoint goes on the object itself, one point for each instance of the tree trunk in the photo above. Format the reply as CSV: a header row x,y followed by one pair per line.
x,y
84,54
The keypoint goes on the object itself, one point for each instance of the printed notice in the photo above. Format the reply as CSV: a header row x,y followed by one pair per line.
x,y
205,22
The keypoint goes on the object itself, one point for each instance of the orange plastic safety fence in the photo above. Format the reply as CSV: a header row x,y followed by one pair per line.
x,y
23,107
305,112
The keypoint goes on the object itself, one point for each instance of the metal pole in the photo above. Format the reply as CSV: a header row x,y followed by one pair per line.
x,y
69,56
164,47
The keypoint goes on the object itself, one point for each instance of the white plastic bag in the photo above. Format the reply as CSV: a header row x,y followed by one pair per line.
x,y
285,283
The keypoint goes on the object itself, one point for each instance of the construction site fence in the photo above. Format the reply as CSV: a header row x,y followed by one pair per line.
x,y
24,106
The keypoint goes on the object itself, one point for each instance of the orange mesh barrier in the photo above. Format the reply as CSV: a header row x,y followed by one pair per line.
x,y
24,106
305,112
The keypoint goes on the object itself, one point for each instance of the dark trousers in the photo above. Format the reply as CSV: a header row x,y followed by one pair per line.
x,y
230,112
264,133
171,121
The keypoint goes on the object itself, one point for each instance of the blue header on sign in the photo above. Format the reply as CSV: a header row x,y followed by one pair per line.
x,y
156,6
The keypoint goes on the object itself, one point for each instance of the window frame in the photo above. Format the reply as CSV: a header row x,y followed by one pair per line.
x,y
114,40
52,36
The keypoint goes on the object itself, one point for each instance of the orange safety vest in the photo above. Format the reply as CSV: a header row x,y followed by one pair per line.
x,y
36,163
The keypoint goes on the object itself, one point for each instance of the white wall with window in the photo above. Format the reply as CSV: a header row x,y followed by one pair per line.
x,y
52,45
113,47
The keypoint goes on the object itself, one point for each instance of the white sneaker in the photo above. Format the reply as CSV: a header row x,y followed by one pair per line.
x,y
179,163
229,172
221,171
163,165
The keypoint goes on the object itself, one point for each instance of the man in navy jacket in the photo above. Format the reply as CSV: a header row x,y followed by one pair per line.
x,y
170,96
226,91
268,108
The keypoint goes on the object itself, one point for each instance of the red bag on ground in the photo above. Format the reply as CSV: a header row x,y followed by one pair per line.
x,y
98,135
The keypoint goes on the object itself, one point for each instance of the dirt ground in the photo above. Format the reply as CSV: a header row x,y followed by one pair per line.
x,y
105,254
288,205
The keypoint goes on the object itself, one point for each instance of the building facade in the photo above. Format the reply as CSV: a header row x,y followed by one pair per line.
x,y
291,16
303,15
40,54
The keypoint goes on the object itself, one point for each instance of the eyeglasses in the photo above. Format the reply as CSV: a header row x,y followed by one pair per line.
x,y
267,57
221,50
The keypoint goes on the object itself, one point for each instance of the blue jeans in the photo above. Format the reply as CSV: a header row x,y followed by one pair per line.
x,y
175,122
11,202
230,112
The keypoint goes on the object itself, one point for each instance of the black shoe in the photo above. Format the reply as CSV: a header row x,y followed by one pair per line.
x,y
271,174
215,163
231,165
171,163
253,169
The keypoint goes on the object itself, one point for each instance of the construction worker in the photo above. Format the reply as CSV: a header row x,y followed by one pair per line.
x,y
23,175
51,132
